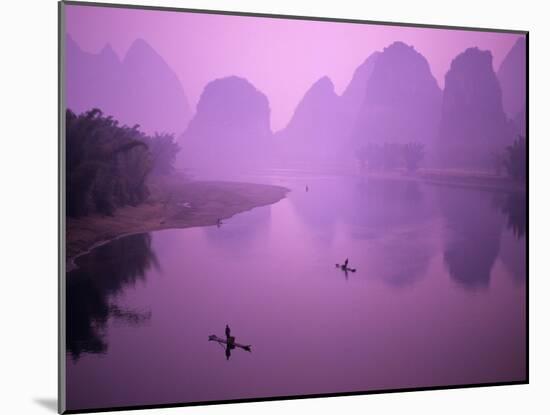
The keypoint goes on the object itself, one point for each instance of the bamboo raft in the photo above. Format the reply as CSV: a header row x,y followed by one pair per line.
x,y
229,342
344,268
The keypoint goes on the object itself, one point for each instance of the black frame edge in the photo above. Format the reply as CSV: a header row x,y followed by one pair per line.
x,y
61,279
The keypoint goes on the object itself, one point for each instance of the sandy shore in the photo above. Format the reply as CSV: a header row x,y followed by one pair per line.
x,y
175,205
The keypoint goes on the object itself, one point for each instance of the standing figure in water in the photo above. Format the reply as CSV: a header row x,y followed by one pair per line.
x,y
230,342
227,331
344,267
307,188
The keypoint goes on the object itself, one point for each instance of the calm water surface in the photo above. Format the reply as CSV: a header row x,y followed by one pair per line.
x,y
438,297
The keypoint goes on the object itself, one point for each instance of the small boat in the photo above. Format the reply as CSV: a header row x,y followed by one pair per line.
x,y
344,268
230,341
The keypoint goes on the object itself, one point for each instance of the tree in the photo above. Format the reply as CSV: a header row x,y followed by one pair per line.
x,y
413,154
106,164
370,155
390,156
362,156
515,159
163,148
498,162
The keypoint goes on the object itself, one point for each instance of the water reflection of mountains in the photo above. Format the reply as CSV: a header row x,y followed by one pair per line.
x,y
388,218
514,207
93,286
474,222
398,216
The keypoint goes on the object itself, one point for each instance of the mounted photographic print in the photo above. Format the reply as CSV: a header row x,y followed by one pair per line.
x,y
260,207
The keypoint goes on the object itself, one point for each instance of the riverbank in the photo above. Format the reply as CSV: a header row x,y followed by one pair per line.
x,y
173,204
477,180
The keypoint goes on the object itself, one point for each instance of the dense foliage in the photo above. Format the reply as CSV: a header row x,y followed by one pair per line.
x,y
107,164
163,149
390,156
515,159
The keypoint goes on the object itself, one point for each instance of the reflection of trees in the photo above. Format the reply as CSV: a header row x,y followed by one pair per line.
x,y
513,254
473,238
513,246
103,274
514,206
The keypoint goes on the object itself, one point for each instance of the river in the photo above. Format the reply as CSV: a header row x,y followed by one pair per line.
x,y
438,297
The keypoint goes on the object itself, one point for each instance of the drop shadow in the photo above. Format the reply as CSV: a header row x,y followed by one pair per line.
x,y
48,403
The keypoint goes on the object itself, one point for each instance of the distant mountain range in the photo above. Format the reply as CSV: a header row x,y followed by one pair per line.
x,y
313,130
230,128
392,97
473,126
513,81
139,89
402,100
335,118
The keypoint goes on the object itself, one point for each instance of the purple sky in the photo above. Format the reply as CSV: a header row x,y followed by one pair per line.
x,y
282,58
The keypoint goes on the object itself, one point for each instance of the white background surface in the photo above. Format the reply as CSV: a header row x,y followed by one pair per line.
x,y
28,189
